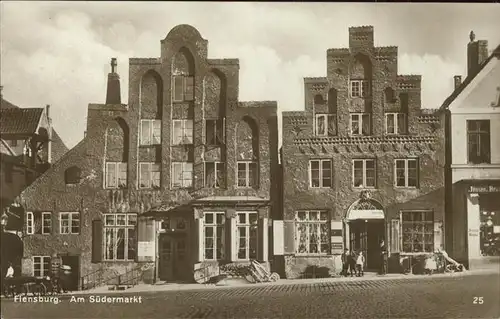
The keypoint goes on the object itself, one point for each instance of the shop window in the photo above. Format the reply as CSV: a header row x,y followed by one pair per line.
x,y
247,174
247,227
120,237
406,172
478,141
364,173
418,232
396,123
320,173
182,174
312,232
41,266
214,244
489,230
215,174
360,124
149,175
326,125
69,223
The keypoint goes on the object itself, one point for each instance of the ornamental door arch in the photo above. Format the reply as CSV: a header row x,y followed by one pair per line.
x,y
364,224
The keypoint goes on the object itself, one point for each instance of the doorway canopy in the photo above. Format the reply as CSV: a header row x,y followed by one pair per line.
x,y
365,209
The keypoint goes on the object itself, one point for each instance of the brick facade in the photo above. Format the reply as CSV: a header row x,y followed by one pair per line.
x,y
113,134
388,92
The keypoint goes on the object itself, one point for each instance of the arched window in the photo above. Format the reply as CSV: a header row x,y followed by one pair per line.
x,y
389,95
318,99
72,175
151,95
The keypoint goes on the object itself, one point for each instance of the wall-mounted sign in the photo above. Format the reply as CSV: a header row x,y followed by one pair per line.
x,y
484,189
473,232
146,249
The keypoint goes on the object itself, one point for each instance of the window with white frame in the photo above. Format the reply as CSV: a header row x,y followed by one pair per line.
x,y
214,132
41,266
120,237
214,243
364,173
247,227
116,175
320,173
30,223
215,174
395,123
182,174
360,124
326,125
312,232
360,88
149,175
150,132
46,223
418,231
183,88
247,174
69,223
406,172
182,132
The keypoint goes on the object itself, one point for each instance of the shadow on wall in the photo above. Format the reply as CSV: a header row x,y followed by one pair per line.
x,y
314,271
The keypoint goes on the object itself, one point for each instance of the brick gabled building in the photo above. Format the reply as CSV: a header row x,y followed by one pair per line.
x,y
363,162
180,178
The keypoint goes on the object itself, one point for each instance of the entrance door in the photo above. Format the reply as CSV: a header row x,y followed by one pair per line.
x,y
173,258
73,279
365,237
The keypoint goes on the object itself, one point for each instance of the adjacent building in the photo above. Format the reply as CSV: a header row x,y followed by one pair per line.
x,y
473,153
28,145
363,162
180,178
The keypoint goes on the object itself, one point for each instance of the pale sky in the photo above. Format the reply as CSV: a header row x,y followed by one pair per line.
x,y
58,53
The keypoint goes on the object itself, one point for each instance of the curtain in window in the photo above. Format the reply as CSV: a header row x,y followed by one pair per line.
x,y
220,182
109,243
187,134
402,127
155,175
111,175
358,173
332,125
209,175
390,124
355,124
320,125
301,232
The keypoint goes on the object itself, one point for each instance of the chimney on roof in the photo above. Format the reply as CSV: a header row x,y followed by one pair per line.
x,y
113,93
457,80
477,53
49,131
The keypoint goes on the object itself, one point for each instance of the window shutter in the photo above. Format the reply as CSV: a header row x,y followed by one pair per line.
x,y
146,239
438,235
278,238
97,241
262,239
201,236
289,237
395,235
336,237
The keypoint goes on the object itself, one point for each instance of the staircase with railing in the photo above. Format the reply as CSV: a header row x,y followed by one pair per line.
x,y
106,277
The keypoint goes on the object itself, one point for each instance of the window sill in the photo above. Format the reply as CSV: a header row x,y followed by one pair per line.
x,y
406,187
118,261
363,188
320,188
114,188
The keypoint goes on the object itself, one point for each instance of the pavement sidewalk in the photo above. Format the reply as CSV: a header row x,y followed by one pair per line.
x,y
241,283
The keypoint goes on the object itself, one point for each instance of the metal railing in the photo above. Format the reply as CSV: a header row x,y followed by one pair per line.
x,y
96,279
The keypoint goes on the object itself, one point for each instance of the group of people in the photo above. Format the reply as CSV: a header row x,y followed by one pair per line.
x,y
353,263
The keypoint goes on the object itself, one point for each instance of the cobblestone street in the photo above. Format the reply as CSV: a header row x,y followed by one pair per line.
x,y
423,297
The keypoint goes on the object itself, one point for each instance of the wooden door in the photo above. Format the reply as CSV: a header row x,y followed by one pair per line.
x,y
166,262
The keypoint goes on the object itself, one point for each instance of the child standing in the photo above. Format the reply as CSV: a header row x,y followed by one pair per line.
x,y
360,262
352,263
345,262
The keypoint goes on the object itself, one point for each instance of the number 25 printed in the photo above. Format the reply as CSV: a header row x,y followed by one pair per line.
x,y
478,300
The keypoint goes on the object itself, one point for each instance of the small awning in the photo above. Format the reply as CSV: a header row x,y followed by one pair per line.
x,y
366,214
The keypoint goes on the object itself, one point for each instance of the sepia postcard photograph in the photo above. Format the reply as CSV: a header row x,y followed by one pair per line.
x,y
299,160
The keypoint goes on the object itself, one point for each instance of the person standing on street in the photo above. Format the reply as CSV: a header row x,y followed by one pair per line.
x,y
383,258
